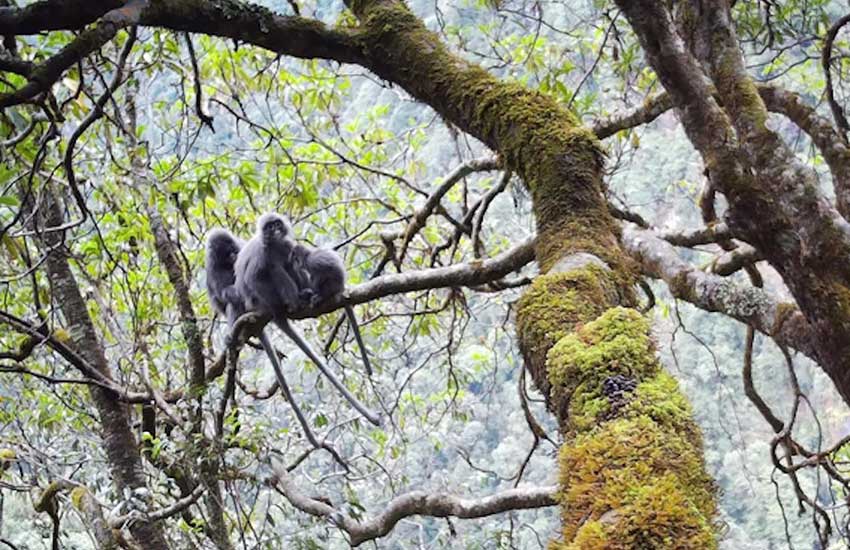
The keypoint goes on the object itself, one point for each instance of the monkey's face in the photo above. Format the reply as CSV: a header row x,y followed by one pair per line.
x,y
225,248
274,229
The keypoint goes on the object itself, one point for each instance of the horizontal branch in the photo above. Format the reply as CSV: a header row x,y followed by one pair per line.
x,y
53,15
708,234
651,109
749,305
469,274
420,503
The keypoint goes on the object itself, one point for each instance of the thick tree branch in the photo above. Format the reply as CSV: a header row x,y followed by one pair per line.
x,y
51,15
823,134
43,76
749,305
439,505
651,109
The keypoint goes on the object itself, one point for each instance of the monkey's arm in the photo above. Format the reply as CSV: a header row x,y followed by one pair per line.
x,y
280,289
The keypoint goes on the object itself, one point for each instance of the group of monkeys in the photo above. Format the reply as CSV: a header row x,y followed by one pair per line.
x,y
274,275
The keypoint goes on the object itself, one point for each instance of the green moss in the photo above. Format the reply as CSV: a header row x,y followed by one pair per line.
x,y
616,343
552,307
77,496
660,399
590,536
645,486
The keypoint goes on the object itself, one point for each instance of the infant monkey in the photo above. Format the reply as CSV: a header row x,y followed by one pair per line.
x,y
324,273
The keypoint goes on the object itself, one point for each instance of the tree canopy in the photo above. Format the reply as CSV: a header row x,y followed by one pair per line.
x,y
599,252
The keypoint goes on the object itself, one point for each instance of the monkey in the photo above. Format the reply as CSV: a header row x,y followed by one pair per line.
x,y
222,251
325,272
266,280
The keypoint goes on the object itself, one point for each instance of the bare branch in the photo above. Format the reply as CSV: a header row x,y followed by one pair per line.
x,y
826,63
414,503
652,108
421,215
199,109
709,234
749,305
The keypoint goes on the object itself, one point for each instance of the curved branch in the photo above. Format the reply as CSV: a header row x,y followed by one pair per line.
x,y
420,503
421,215
826,63
652,108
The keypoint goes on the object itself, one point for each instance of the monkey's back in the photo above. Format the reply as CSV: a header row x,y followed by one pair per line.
x,y
327,272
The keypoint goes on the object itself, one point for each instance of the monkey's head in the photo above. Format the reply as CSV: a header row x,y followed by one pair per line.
x,y
273,227
222,245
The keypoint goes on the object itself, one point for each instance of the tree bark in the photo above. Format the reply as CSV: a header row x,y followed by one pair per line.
x,y
632,472
122,450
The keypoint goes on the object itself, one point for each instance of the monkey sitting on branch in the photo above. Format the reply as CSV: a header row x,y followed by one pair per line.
x,y
222,250
268,283
320,275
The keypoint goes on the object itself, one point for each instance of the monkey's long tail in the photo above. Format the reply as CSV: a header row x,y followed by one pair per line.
x,y
284,388
355,326
287,329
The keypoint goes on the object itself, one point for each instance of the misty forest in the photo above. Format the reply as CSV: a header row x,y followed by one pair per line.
x,y
598,253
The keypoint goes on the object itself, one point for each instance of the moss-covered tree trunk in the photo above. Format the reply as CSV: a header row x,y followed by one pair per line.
x,y
631,467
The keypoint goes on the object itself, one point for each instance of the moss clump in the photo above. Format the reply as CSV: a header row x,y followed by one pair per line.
x,y
77,496
660,400
642,485
616,343
553,306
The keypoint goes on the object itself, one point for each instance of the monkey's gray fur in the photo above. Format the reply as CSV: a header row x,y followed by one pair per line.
x,y
325,271
264,273
222,251
266,279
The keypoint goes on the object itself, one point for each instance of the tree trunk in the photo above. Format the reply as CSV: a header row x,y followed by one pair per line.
x,y
632,473
122,450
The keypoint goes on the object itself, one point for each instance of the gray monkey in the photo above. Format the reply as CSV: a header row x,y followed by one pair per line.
x,y
266,279
222,251
325,274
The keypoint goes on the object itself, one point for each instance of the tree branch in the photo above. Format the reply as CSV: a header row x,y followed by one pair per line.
x,y
439,505
652,108
749,305
826,63
43,76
